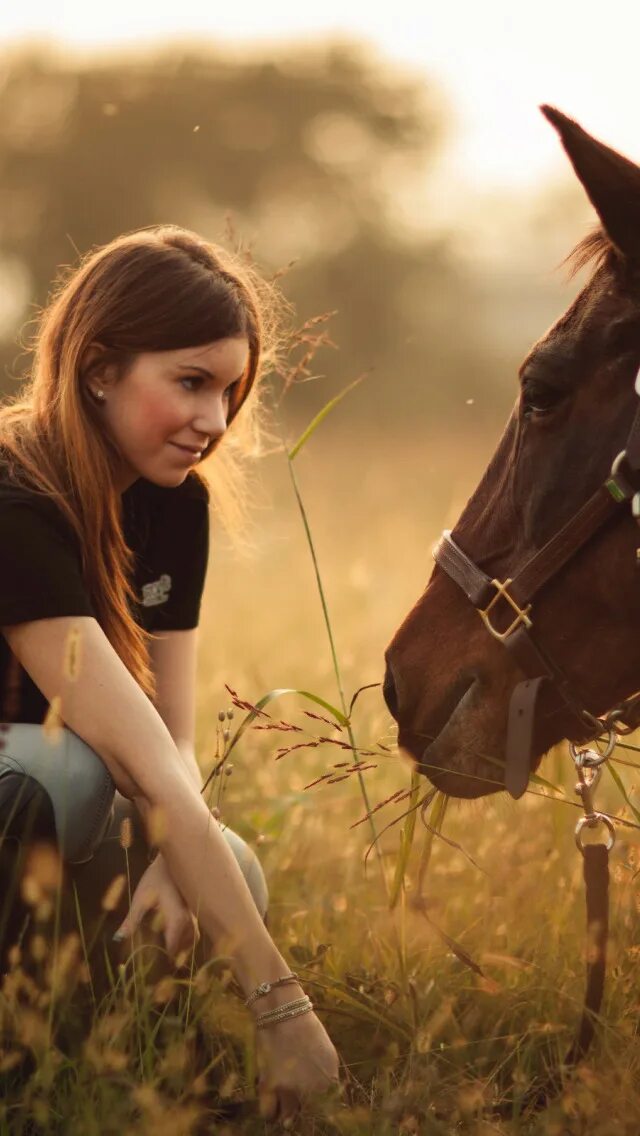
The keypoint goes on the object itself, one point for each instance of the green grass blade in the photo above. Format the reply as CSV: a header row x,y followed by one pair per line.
x,y
620,783
279,693
407,834
538,780
438,811
320,417
251,716
336,665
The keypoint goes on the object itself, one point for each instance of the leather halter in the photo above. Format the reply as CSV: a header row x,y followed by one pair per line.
x,y
518,592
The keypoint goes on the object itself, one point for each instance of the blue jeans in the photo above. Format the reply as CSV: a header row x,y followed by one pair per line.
x,y
57,790
64,769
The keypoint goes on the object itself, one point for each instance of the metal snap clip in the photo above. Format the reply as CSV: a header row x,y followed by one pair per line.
x,y
593,821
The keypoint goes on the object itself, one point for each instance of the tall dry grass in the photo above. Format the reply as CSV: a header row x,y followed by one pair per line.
x,y
429,1044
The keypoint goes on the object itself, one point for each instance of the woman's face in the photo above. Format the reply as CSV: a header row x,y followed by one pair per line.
x,y
169,406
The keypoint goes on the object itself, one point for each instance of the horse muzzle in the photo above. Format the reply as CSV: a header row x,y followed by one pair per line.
x,y
437,738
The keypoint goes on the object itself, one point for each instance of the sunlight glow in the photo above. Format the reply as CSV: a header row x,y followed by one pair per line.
x,y
495,61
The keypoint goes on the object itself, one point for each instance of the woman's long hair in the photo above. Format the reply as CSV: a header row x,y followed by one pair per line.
x,y
156,289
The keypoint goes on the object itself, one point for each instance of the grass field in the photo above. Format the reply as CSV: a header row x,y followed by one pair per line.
x,y
429,1044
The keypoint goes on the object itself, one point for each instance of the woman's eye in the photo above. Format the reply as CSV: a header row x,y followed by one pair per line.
x,y
196,380
538,399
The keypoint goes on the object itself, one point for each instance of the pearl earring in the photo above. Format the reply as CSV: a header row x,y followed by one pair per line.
x,y
100,394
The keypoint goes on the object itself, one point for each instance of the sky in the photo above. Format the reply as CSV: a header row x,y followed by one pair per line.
x,y
496,60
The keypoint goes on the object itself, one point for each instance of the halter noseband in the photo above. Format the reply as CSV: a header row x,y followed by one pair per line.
x,y
518,592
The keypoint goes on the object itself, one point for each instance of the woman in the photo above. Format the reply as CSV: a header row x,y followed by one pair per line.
x,y
144,357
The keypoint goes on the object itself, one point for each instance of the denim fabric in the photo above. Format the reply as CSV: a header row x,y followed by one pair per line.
x,y
78,784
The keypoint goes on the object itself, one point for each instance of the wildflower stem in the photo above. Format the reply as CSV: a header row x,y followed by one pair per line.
x,y
336,665
135,983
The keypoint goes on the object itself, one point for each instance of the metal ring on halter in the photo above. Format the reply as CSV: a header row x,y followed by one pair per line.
x,y
588,759
592,821
591,775
615,719
579,755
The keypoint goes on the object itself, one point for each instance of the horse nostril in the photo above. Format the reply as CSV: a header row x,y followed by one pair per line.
x,y
389,692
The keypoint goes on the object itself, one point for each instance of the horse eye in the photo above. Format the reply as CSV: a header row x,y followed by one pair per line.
x,y
539,399
623,338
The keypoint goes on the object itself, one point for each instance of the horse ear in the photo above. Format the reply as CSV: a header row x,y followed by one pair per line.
x,y
611,181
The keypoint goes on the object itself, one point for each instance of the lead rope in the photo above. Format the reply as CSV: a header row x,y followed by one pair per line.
x,y
588,764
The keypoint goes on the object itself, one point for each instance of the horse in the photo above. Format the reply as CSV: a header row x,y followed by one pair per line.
x,y
543,559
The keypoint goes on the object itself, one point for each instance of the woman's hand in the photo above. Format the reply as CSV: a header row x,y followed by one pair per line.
x,y
156,891
296,1059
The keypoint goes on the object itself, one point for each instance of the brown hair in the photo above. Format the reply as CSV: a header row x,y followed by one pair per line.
x,y
156,289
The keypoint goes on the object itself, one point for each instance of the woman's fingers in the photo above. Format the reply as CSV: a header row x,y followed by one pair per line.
x,y
181,934
278,1103
140,904
289,1107
268,1103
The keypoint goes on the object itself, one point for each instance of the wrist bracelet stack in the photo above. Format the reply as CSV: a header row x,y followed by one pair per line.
x,y
283,1012
266,987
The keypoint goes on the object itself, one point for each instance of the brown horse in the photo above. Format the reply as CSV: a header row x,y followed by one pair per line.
x,y
449,683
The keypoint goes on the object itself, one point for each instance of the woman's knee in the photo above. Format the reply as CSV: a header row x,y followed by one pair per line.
x,y
74,778
250,867
26,810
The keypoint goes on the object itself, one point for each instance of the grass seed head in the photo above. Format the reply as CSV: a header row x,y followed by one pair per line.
x,y
157,826
14,956
113,894
71,665
126,833
52,725
44,865
164,990
9,1060
38,948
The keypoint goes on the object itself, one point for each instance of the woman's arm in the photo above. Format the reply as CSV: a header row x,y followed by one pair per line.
x,y
173,659
104,705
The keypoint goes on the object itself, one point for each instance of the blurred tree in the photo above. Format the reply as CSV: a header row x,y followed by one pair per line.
x,y
303,150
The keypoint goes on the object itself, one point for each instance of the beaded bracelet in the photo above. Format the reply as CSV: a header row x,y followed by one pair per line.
x,y
284,1012
266,987
285,1007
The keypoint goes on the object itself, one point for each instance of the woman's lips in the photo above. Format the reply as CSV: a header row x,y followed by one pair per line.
x,y
194,455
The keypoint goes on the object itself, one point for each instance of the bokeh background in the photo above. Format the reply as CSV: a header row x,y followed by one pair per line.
x,y
396,161
392,159
394,167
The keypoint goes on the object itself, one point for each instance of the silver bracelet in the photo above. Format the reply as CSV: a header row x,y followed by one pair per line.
x,y
283,1008
285,1012
266,987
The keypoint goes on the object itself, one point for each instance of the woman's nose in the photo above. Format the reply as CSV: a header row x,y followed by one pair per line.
x,y
212,419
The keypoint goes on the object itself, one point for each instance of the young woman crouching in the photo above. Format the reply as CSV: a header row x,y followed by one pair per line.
x,y
144,357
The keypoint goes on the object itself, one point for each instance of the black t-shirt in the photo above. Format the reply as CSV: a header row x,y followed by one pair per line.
x,y
41,569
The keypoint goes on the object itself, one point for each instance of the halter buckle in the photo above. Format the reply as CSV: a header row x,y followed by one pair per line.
x,y
522,614
619,482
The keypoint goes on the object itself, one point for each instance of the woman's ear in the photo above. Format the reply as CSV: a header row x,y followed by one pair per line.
x,y
97,372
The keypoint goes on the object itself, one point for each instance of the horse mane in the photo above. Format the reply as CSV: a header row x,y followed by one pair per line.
x,y
594,247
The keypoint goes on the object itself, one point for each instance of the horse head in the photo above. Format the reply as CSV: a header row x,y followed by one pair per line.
x,y
449,683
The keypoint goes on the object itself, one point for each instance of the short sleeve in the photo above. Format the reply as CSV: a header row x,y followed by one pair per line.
x,y
187,569
40,566
177,558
